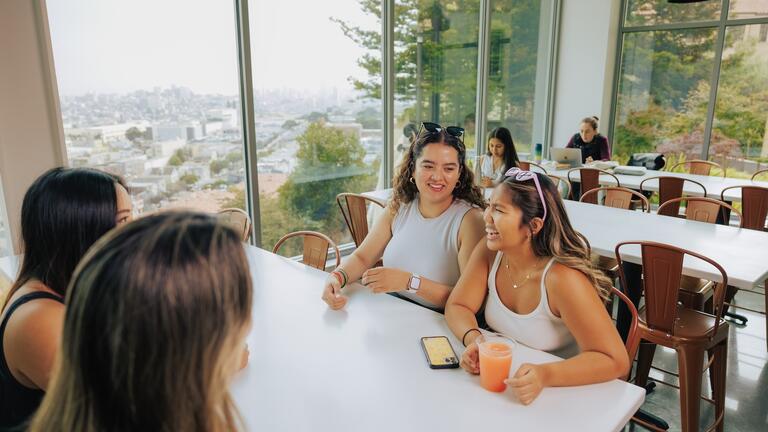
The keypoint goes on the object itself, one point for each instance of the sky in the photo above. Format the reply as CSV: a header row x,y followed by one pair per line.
x,y
117,46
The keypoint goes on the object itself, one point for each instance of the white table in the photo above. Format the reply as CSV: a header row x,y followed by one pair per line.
x,y
362,369
713,184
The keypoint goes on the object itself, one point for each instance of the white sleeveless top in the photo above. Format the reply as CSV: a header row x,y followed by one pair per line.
x,y
540,329
486,169
428,247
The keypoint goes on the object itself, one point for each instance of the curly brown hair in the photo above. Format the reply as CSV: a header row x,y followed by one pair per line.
x,y
404,191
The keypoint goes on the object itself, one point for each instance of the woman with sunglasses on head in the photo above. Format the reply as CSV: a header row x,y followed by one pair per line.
x,y
433,222
500,157
64,212
534,276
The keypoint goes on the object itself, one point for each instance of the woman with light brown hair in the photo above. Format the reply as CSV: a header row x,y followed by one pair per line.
x,y
157,314
534,276
433,224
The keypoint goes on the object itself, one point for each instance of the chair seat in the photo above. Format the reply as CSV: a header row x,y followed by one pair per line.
x,y
690,326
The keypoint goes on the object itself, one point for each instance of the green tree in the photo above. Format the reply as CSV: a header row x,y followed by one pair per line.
x,y
133,134
329,162
217,165
290,124
189,179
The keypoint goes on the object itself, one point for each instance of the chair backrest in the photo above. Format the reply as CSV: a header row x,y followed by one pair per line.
x,y
633,337
565,192
238,220
617,197
671,187
700,209
754,206
354,208
590,179
526,165
759,173
662,272
698,167
315,248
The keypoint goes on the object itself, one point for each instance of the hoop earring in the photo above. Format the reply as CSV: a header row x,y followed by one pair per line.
x,y
411,180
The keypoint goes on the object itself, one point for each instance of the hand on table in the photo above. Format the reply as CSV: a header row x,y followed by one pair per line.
x,y
470,359
527,383
589,159
332,293
386,279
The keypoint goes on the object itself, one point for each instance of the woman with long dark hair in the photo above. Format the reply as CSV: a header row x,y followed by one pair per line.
x,y
157,315
64,212
535,280
500,157
433,223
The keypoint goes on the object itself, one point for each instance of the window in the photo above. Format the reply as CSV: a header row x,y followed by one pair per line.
x,y
436,66
518,77
316,78
670,79
6,247
161,111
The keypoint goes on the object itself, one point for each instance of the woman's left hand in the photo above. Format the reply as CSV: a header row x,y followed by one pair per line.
x,y
386,279
527,383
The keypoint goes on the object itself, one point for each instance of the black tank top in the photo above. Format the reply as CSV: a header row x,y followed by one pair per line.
x,y
17,402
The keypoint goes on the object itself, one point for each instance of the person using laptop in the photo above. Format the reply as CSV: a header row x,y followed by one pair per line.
x,y
594,147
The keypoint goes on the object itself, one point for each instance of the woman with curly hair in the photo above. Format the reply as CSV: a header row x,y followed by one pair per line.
x,y
534,276
433,224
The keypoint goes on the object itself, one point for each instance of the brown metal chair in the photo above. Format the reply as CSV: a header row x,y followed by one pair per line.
x,y
671,187
759,173
618,197
354,208
566,190
316,247
754,205
697,293
699,209
698,167
692,334
526,165
238,220
590,179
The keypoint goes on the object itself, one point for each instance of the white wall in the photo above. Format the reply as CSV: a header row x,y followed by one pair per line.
x,y
585,58
31,135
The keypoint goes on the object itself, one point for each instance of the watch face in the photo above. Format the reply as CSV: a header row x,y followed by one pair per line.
x,y
415,283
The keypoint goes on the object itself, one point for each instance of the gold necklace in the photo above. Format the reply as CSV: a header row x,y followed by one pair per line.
x,y
521,281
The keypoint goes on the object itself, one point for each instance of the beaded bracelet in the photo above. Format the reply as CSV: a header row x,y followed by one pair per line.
x,y
338,277
467,332
343,273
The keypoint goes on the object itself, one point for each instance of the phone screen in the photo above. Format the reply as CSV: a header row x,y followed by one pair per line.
x,y
439,352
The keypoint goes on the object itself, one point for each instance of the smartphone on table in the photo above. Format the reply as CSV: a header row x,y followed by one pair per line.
x,y
439,352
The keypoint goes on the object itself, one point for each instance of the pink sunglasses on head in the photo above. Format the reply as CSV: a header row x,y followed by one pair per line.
x,y
522,175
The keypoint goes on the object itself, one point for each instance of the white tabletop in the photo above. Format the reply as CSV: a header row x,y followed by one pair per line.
x,y
713,184
743,253
362,368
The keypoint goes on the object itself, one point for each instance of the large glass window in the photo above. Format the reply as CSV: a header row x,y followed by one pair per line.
x,y
436,66
665,91
147,94
6,247
316,78
518,72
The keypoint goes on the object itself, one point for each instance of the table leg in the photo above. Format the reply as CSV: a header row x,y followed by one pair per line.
x,y
634,290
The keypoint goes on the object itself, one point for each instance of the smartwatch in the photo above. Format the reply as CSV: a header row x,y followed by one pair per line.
x,y
414,283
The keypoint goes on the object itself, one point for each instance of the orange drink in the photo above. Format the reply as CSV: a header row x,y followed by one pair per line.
x,y
495,361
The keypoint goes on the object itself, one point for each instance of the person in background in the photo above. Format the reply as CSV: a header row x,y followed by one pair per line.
x,y
433,222
535,280
157,315
501,156
63,213
594,147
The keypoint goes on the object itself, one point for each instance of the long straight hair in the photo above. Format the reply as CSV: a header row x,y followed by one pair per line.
x,y
156,317
63,213
557,238
510,154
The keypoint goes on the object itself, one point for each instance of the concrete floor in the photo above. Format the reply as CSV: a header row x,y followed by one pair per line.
x,y
746,403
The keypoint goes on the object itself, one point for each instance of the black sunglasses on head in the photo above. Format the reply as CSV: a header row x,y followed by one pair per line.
x,y
455,131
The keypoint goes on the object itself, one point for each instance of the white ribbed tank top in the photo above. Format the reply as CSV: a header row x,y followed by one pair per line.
x,y
428,247
540,329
